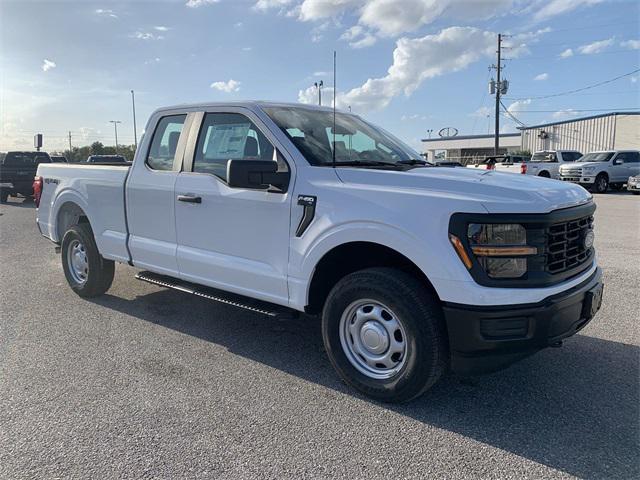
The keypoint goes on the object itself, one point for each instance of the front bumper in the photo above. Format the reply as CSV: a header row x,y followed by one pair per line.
x,y
486,339
633,187
583,180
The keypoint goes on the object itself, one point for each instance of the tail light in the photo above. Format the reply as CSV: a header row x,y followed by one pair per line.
x,y
491,166
37,190
523,168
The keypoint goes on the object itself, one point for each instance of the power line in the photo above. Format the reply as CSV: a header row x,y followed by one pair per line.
x,y
569,92
582,110
506,110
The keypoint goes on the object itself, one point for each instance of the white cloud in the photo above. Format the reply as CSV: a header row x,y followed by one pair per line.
x,y
147,36
541,77
632,44
634,79
595,47
413,117
238,25
482,112
416,60
319,9
151,61
564,114
393,17
544,9
247,49
310,96
228,86
48,65
321,74
518,106
199,3
358,37
161,28
567,53
265,5
106,13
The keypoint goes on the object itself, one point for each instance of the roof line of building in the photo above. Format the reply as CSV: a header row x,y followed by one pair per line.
x,y
468,137
571,120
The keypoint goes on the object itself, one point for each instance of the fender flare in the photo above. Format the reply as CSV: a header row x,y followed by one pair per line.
x,y
62,198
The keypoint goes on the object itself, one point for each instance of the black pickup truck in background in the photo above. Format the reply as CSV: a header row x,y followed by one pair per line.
x,y
17,171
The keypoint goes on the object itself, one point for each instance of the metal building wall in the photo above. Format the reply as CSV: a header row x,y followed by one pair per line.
x,y
583,135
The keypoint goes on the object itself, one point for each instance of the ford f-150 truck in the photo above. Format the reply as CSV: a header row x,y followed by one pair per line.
x,y
598,171
284,208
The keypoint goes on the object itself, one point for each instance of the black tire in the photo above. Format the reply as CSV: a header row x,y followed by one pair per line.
x,y
99,272
4,195
544,174
601,184
426,356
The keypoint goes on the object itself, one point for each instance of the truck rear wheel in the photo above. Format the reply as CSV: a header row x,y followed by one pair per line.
x,y
384,334
87,272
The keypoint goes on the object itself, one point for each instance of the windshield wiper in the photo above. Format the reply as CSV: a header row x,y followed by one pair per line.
x,y
412,161
364,163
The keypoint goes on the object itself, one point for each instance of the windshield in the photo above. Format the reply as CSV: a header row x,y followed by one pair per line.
x,y
355,141
544,157
596,157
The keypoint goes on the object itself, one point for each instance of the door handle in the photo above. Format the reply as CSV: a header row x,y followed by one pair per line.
x,y
189,199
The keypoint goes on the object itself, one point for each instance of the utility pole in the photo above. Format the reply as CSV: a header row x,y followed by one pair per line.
x,y
70,148
135,134
115,127
496,137
319,86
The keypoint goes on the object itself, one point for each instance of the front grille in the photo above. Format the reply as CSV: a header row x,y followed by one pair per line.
x,y
571,172
565,248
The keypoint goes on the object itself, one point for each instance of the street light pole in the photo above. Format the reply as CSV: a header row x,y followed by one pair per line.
x,y
115,128
135,134
319,86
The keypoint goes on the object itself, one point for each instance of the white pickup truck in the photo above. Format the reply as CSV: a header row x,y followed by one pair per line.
x,y
545,163
284,208
598,171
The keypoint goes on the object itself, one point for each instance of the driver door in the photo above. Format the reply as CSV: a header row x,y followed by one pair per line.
x,y
234,239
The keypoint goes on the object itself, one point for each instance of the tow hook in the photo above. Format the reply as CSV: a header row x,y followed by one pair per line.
x,y
556,345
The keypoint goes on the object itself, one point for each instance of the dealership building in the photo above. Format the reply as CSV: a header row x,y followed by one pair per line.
x,y
609,131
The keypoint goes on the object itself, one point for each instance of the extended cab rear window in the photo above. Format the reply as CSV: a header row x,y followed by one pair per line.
x,y
165,142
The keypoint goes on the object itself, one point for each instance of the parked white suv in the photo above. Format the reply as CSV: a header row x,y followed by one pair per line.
x,y
599,170
284,208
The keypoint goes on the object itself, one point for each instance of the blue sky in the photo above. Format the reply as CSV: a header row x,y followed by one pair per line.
x,y
408,65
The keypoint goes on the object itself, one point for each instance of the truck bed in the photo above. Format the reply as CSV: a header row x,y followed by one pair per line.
x,y
98,190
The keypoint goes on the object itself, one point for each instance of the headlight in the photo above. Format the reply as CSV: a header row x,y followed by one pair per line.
x,y
501,249
588,170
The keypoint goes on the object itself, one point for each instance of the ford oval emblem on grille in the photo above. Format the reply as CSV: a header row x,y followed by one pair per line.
x,y
588,239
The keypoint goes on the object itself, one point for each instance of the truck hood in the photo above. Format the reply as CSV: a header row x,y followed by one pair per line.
x,y
496,192
582,164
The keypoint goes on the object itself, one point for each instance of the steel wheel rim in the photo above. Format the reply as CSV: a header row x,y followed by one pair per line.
x,y
77,261
373,339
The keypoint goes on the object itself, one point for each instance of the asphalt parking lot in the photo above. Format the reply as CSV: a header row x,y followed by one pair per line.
x,y
149,383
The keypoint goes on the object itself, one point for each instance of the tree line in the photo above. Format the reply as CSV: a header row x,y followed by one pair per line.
x,y
80,154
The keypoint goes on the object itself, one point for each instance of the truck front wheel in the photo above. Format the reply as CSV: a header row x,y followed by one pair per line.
x,y
601,184
384,334
87,272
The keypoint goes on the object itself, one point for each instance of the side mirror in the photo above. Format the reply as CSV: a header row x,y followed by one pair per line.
x,y
618,161
256,175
